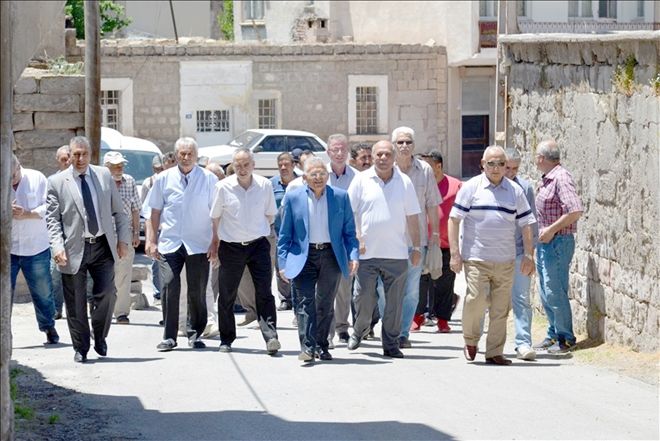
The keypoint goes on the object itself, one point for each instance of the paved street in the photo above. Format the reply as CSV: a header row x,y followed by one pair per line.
x,y
431,394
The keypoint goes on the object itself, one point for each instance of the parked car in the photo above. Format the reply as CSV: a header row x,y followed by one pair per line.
x,y
138,152
266,145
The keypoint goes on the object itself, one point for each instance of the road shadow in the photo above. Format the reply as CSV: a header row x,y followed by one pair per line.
x,y
83,416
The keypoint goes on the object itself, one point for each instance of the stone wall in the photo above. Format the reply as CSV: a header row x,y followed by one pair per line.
x,y
564,87
48,112
312,80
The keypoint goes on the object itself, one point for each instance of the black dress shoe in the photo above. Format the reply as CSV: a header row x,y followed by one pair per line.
x,y
101,348
343,337
393,353
325,355
353,342
79,358
52,338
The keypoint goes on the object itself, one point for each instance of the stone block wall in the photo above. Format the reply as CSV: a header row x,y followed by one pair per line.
x,y
48,112
312,79
562,87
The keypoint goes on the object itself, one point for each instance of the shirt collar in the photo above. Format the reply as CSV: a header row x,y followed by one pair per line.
x,y
485,182
310,192
551,174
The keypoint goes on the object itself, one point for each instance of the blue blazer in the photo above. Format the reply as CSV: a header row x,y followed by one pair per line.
x,y
293,241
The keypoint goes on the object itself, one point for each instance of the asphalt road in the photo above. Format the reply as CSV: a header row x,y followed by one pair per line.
x,y
431,394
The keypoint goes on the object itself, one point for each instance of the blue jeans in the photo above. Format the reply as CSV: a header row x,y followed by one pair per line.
x,y
36,270
522,310
552,263
411,295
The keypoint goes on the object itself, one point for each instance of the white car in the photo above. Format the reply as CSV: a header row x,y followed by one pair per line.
x,y
266,145
138,152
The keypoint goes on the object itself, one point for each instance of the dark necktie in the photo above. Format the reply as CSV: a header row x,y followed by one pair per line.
x,y
92,224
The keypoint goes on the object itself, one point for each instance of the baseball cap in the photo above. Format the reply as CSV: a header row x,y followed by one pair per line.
x,y
157,161
295,153
114,158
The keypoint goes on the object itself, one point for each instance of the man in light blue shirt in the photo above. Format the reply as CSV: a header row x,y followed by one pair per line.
x,y
180,202
490,206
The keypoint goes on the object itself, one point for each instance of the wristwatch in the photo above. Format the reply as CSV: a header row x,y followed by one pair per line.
x,y
417,248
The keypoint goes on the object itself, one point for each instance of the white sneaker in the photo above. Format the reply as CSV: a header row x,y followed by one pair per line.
x,y
525,353
211,331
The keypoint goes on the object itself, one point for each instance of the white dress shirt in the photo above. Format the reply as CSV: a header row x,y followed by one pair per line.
x,y
95,200
244,214
29,237
184,209
344,180
317,209
380,211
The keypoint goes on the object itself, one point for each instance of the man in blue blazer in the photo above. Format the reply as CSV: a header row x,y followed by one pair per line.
x,y
317,245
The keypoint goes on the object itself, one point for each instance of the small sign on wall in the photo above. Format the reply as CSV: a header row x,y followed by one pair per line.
x,y
189,115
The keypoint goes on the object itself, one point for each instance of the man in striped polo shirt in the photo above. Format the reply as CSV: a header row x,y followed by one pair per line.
x,y
491,206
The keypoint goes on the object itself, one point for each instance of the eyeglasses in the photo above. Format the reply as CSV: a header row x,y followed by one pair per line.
x,y
496,163
316,175
404,143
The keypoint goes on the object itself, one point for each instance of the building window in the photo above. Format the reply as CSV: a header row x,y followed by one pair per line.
x,y
640,8
487,8
267,114
212,120
110,109
580,8
607,8
522,8
253,10
366,110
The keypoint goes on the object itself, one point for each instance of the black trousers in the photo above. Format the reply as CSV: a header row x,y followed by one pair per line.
x,y
438,293
97,259
197,275
233,259
316,286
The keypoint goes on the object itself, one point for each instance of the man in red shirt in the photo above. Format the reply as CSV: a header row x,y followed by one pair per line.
x,y
439,293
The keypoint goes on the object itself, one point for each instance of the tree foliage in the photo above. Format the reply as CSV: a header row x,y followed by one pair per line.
x,y
226,20
113,17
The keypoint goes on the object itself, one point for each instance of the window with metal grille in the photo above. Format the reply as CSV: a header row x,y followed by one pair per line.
x,y
267,114
580,8
213,120
366,110
253,10
110,109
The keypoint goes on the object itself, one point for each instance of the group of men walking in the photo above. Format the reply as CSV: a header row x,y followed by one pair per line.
x,y
351,238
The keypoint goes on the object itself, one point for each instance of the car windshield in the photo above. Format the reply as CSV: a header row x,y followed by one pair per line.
x,y
246,139
139,163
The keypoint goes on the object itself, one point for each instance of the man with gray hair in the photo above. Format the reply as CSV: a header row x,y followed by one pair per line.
x,y
558,208
82,203
428,197
522,309
182,234
491,206
244,208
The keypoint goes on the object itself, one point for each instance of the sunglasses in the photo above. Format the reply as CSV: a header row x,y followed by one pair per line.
x,y
496,163
404,143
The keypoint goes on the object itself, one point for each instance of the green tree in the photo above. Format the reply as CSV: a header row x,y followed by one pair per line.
x,y
113,17
226,20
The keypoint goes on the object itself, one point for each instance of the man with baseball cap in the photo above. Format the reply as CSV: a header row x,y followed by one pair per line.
x,y
115,161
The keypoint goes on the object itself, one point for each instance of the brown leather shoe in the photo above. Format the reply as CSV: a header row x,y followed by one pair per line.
x,y
498,360
470,352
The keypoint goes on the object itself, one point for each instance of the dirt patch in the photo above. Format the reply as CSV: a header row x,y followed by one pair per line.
x,y
46,411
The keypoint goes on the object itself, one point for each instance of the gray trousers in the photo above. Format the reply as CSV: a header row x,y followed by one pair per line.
x,y
342,307
394,273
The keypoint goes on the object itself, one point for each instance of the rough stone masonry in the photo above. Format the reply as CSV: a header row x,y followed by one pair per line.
x,y
567,87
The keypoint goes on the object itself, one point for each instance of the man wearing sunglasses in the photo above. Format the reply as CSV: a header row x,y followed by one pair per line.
x,y
491,206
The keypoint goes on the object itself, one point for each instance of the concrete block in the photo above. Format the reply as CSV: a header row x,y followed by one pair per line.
x,y
59,120
139,301
46,103
22,121
43,138
646,53
66,85
140,272
26,85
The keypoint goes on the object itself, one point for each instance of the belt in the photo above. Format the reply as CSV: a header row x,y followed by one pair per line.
x,y
320,246
94,239
248,242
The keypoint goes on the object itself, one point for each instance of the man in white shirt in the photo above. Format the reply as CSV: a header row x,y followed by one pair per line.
x,y
182,234
384,202
244,206
30,249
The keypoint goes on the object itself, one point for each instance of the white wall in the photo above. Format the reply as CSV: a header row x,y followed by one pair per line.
x,y
193,18
548,11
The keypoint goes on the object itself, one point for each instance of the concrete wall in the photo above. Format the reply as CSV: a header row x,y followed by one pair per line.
x,y
48,112
562,87
557,11
154,19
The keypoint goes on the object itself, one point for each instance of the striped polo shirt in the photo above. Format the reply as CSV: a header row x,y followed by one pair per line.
x,y
490,214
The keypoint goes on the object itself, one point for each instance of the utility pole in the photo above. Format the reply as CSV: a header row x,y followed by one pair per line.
x,y
500,80
93,78
176,34
6,135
